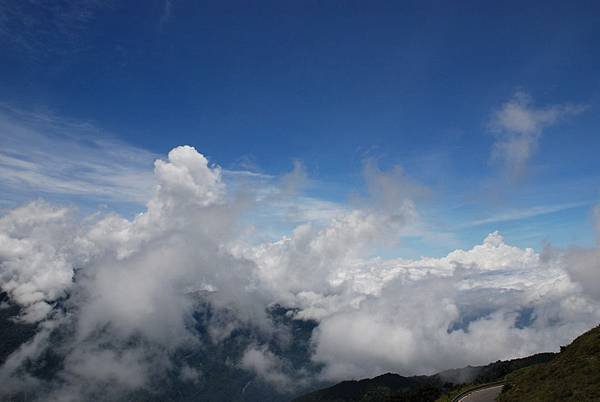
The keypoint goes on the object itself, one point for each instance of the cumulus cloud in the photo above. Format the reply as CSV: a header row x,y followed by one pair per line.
x,y
311,256
423,316
119,299
145,269
518,125
432,314
133,277
38,253
66,158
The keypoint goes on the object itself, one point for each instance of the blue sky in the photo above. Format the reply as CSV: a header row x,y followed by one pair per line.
x,y
490,107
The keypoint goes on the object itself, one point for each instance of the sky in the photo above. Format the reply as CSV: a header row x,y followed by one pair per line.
x,y
350,160
257,87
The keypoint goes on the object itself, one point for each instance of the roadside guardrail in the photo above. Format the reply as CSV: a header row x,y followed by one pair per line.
x,y
476,388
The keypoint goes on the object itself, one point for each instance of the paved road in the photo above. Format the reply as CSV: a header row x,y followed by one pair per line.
x,y
483,395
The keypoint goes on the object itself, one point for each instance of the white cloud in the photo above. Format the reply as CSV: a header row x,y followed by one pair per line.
x,y
141,279
312,257
519,125
134,276
38,252
464,311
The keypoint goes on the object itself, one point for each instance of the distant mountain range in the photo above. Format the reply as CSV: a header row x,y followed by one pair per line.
x,y
394,387
573,375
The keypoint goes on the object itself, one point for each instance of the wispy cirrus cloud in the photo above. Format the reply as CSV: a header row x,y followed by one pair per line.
x,y
43,154
165,16
524,213
39,29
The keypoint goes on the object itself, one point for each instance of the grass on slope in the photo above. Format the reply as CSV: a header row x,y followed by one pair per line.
x,y
573,376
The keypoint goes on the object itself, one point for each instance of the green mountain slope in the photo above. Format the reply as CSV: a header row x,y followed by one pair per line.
x,y
574,375
393,387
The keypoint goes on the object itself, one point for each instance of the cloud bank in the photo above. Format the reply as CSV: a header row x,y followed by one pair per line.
x,y
118,300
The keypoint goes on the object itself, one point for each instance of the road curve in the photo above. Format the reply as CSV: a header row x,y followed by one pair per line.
x,y
483,395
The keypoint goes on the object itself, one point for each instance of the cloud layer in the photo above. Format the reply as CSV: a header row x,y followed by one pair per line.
x,y
122,294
